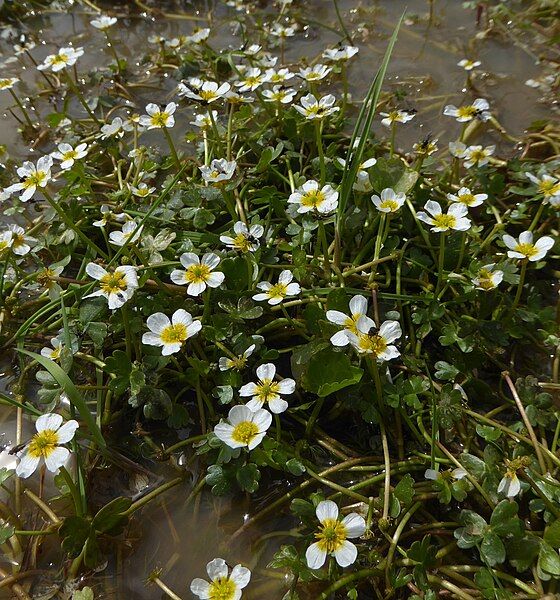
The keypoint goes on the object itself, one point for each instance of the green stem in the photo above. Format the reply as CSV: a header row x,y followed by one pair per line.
x,y
519,286
441,262
319,141
81,98
172,148
22,108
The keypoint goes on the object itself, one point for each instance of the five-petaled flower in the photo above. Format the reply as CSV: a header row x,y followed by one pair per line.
x,y
67,155
237,363
309,197
466,197
32,177
314,109
117,286
198,274
389,202
525,248
219,170
277,292
266,390
397,116
223,585
170,334
332,537
158,118
203,91
65,57
244,428
441,222
246,238
47,445
358,310
379,344
488,278
548,186
463,114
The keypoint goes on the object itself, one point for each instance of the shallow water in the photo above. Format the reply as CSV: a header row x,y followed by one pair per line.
x,y
181,538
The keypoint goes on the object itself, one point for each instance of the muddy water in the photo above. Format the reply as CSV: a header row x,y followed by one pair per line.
x,y
181,538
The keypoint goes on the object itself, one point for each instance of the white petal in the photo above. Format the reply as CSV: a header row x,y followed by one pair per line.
x,y
285,276
241,576
95,271
263,419
346,554
67,431
48,421
158,322
326,509
200,588
211,260
181,316
57,458
238,414
27,465
315,557
196,288
188,259
217,568
390,331
266,371
178,277
340,339
355,525
358,305
152,339
249,389
277,405
286,386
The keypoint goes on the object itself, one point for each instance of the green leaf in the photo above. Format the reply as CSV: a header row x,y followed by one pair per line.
x,y
404,490
248,477
6,532
110,518
83,594
504,520
549,560
74,532
330,371
492,549
552,534
445,371
72,392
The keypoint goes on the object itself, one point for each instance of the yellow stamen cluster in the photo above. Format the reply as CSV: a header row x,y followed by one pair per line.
x,y
244,432
113,282
314,198
527,250
331,536
174,334
372,344
198,274
266,389
442,220
43,443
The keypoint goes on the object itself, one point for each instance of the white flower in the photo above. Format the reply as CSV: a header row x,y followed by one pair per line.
x,y
238,363
116,127
8,83
426,147
340,53
362,183
397,116
457,474
276,293
246,239
198,274
282,31
280,76
466,197
268,390
468,65
65,57
158,118
107,214
103,22
457,149
204,121
279,94
525,248
310,198
199,35
127,235
477,155
454,218
548,186
117,286
46,445
314,109
509,485
20,242
69,155
246,428
170,334
203,91
142,190
390,201
377,344
464,114
358,310
220,169
54,351
6,240
315,73
32,177
222,585
488,278
250,80
332,538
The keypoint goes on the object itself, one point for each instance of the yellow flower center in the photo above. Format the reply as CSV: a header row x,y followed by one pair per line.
x,y
244,432
4,244
5,83
60,59
447,221
43,443
241,242
159,119
314,198
207,95
197,274
70,155
477,155
527,250
34,180
548,187
55,354
252,81
393,116
222,588
331,536
466,199
392,205
266,389
113,283
350,323
238,363
466,112
174,334
278,290
372,344
17,240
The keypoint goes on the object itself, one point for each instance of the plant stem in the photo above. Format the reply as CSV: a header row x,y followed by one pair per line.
x,y
519,286
319,141
22,108
441,262
80,97
172,148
